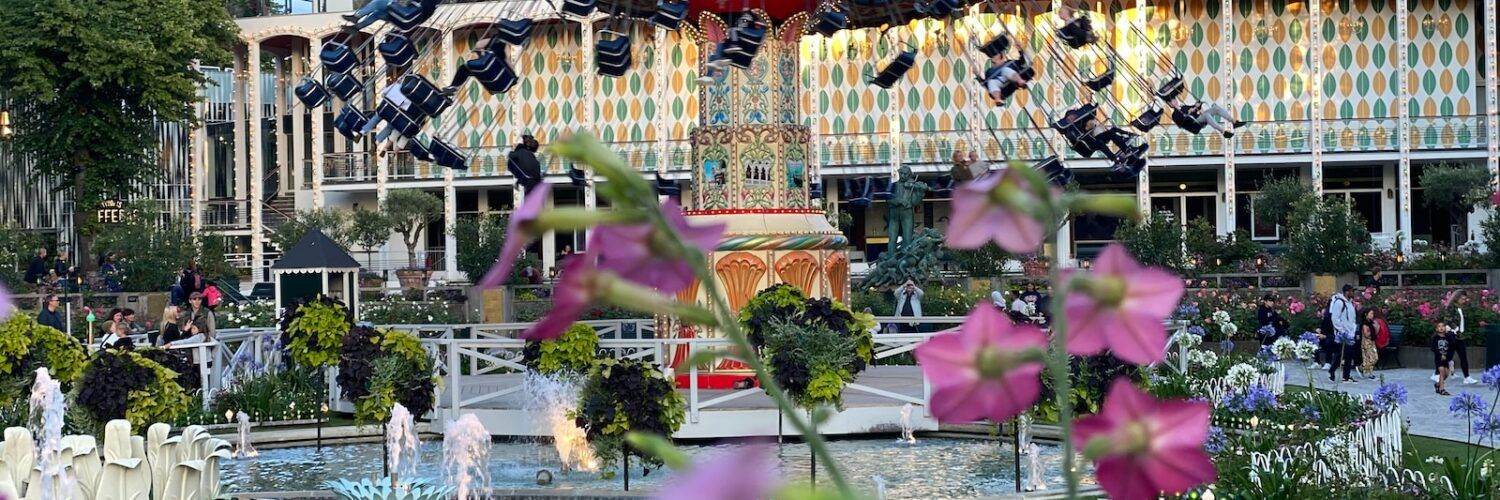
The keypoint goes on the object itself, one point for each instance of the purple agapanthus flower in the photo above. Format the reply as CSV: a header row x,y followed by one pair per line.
x,y
1490,377
1467,404
1308,337
1266,331
1311,414
1487,426
1343,338
1258,398
1389,395
1196,330
1217,440
1267,355
1187,310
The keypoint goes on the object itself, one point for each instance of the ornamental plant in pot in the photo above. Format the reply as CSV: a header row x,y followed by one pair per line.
x,y
410,212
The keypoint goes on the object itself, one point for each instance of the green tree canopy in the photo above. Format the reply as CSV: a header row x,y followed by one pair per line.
x,y
89,79
410,211
333,222
1455,188
479,242
1276,198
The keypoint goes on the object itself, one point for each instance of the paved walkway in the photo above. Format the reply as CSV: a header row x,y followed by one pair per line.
x,y
1426,412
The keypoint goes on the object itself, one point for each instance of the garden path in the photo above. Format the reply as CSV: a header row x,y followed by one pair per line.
x,y
1425,412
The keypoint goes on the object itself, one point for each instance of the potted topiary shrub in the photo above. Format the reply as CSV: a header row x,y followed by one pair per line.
x,y
410,212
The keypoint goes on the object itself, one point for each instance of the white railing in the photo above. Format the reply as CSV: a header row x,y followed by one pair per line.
x,y
1360,455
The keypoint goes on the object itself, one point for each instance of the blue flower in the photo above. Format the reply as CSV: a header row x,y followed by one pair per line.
x,y
1187,310
1309,337
1266,354
1196,330
1467,404
1343,338
1226,345
1491,377
1487,426
1390,395
1266,331
1311,414
1259,398
1217,441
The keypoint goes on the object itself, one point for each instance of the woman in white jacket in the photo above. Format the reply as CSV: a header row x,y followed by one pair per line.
x,y
909,304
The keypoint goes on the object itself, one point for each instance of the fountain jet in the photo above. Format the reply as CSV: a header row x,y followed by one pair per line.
x,y
47,409
466,456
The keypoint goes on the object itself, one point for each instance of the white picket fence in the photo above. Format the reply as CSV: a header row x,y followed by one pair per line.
x,y
1367,452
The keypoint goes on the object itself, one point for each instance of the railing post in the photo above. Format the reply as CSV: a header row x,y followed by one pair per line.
x,y
692,384
455,371
203,375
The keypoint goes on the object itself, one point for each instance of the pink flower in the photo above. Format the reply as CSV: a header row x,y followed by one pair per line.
x,y
1142,446
7,304
993,208
1122,309
631,250
516,236
987,368
1495,198
747,473
574,294
1296,307
1426,310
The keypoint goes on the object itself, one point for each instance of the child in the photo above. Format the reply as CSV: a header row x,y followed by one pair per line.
x,y
1444,346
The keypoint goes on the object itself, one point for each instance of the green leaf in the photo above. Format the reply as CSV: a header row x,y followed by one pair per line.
x,y
660,448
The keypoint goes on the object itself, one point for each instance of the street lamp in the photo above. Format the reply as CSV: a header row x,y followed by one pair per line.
x,y
5,129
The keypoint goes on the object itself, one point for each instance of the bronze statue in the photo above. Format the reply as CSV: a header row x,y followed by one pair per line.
x,y
906,194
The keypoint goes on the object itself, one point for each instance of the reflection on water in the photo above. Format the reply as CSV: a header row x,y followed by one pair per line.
x,y
931,468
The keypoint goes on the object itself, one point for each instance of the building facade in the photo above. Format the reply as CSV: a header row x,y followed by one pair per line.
x,y
1357,97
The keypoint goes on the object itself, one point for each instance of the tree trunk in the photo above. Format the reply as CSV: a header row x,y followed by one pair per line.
x,y
83,244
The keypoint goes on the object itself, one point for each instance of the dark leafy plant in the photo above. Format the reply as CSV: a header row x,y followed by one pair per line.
x,y
811,362
479,241
1154,240
1456,189
1325,237
1276,198
123,384
986,261
188,375
783,302
378,368
623,396
1213,252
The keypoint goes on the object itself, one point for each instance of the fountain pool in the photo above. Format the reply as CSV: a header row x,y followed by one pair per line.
x,y
930,468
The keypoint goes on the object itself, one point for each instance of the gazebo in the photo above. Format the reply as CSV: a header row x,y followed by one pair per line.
x,y
316,264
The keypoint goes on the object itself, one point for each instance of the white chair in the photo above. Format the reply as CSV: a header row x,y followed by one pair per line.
x,y
34,487
210,488
186,481
19,455
8,489
158,458
170,455
87,466
138,447
187,448
117,440
124,479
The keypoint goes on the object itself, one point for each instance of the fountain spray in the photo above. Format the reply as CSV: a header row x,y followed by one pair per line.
x,y
906,427
401,441
244,449
466,453
47,409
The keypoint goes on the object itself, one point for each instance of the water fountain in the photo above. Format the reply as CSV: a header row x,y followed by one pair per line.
x,y
466,452
879,486
553,397
243,449
401,441
906,426
47,409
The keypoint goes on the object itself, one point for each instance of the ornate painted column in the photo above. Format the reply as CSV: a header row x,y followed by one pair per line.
x,y
299,155
253,160
450,195
1315,114
750,172
1403,125
1492,87
317,147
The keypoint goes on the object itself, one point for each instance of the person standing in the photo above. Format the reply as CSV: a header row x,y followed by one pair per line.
x,y
909,304
1443,345
190,279
50,316
197,322
1369,329
37,269
1345,334
1460,351
170,330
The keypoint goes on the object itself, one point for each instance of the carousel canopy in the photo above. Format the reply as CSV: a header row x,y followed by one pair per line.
x,y
316,251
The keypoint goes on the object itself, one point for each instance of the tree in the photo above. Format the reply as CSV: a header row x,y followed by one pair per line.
x,y
1457,189
479,242
89,79
333,223
410,211
1276,199
369,229
1154,240
150,248
1325,237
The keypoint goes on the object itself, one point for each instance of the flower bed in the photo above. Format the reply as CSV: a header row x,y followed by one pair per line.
x,y
1417,310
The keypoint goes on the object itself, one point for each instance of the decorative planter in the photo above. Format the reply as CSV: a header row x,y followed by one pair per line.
x,y
413,279
1326,284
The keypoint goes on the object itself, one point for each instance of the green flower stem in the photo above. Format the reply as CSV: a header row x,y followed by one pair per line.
x,y
629,295
731,326
1062,384
572,219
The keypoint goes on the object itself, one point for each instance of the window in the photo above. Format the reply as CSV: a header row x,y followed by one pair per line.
x,y
1366,203
1245,218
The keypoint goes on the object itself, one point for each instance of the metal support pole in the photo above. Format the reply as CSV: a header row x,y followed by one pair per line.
x,y
625,461
1017,451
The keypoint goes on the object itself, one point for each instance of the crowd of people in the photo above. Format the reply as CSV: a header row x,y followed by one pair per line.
x,y
188,317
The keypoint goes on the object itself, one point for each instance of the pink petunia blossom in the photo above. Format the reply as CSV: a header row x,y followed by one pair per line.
x,y
1296,307
978,218
516,235
629,250
7,304
987,368
574,294
747,473
1143,446
1123,309
1426,310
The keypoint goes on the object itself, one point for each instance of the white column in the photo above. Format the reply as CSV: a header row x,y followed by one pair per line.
x,y
1492,102
253,159
241,107
299,129
590,88
285,165
663,101
450,194
1315,115
549,242
198,163
317,143
1403,125
1143,189
1227,55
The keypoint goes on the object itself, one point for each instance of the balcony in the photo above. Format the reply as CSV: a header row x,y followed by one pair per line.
x,y
489,162
226,214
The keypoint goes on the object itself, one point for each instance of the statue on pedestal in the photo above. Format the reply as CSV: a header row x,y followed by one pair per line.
x,y
906,195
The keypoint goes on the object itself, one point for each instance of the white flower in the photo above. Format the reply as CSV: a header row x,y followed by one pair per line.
x,y
1187,340
1221,316
1306,350
1241,376
1204,358
1284,348
1228,328
1435,459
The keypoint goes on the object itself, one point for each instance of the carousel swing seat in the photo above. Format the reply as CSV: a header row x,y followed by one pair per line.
x,y
311,93
514,31
337,57
446,155
895,69
350,121
342,85
669,14
397,50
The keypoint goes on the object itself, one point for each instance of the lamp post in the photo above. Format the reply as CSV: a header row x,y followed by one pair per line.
x,y
6,131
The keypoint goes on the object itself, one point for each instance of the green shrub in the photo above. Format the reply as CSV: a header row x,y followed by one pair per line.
x,y
479,242
1154,240
1325,237
1277,198
622,396
1490,231
811,363
573,353
295,389
26,345
379,368
123,384
398,311
1215,253
316,333
248,314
